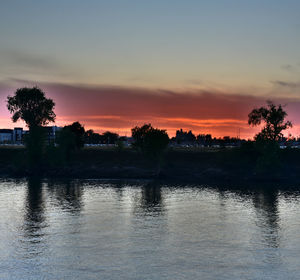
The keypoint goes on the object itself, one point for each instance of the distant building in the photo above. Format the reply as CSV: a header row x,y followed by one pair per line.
x,y
51,132
6,136
17,136
184,137
127,141
204,139
11,136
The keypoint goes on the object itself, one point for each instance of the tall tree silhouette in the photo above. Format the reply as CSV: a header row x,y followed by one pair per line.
x,y
274,118
269,162
31,105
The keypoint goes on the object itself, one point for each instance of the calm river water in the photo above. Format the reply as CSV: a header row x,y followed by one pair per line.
x,y
142,230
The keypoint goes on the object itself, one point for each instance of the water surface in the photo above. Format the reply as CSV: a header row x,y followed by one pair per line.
x,y
142,230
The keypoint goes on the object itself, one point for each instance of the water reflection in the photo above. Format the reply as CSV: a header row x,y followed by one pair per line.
x,y
68,194
265,202
32,242
266,206
150,202
34,219
78,229
119,189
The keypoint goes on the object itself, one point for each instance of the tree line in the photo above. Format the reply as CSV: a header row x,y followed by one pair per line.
x,y
32,106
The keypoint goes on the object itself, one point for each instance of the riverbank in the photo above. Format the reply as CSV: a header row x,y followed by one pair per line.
x,y
186,165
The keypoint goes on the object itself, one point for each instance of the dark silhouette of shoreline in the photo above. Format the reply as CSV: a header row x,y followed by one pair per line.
x,y
150,153
228,166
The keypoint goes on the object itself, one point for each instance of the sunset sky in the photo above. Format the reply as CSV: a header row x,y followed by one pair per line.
x,y
112,65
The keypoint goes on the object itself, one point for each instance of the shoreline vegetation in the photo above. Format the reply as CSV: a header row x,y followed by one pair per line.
x,y
150,155
196,165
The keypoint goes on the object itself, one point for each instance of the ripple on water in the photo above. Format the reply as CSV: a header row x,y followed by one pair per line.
x,y
143,230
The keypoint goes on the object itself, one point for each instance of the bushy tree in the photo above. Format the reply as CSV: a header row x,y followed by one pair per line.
x,y
91,137
109,137
268,161
78,131
70,139
149,140
274,118
31,105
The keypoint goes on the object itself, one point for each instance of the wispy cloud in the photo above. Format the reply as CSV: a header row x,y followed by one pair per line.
x,y
290,68
23,65
23,59
193,82
286,84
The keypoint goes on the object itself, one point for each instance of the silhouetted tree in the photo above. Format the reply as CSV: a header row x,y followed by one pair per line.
x,y
70,138
274,118
31,105
78,131
109,137
268,162
150,140
90,137
89,133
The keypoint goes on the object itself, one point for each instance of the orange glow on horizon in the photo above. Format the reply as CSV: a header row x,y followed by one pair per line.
x,y
119,109
216,127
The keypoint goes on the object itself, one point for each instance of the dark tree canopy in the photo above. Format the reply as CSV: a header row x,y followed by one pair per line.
x,y
274,118
78,132
89,133
31,105
109,137
150,140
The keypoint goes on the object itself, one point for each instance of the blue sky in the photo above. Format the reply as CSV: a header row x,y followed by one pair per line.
x,y
152,43
224,48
